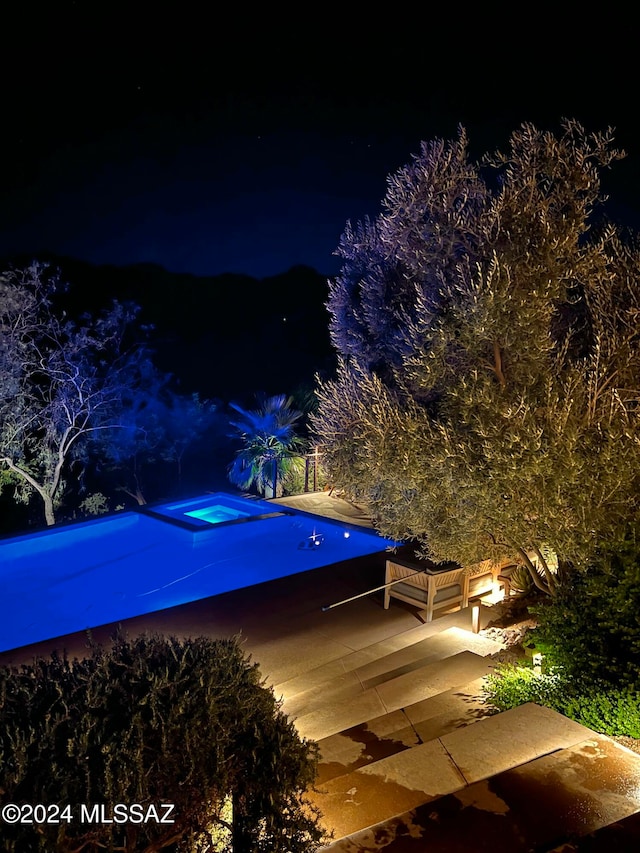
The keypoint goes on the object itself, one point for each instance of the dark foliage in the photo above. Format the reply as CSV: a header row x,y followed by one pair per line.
x,y
154,720
592,626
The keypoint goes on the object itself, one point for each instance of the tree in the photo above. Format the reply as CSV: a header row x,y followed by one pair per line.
x,y
150,721
62,380
188,419
156,426
486,401
140,440
271,450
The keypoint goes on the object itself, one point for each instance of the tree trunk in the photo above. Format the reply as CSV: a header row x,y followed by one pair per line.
x,y
241,837
47,497
551,581
565,568
49,513
274,478
138,497
535,577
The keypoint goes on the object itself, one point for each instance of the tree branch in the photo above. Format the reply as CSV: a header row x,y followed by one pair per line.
x,y
535,576
497,362
551,581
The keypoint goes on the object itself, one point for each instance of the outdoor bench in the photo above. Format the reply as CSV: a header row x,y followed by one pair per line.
x,y
432,590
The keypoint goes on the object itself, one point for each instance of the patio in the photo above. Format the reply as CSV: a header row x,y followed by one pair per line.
x,y
411,761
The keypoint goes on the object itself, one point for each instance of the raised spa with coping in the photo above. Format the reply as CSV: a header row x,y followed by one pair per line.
x,y
198,514
72,577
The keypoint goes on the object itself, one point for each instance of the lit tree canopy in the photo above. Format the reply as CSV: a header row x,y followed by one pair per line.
x,y
61,380
487,396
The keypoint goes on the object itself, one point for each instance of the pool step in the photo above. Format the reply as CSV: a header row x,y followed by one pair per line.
x,y
458,760
336,708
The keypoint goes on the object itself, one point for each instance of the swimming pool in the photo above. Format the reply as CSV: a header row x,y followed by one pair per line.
x,y
79,576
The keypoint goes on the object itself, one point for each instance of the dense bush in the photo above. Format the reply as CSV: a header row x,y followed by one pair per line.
x,y
616,712
592,625
589,633
149,721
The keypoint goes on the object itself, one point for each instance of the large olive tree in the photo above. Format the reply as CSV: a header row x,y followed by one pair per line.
x,y
487,396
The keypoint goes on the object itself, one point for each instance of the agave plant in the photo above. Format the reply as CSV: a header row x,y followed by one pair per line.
x,y
271,449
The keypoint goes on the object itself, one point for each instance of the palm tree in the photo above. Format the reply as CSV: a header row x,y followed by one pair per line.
x,y
271,451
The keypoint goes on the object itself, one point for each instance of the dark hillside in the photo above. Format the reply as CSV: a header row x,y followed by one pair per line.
x,y
225,336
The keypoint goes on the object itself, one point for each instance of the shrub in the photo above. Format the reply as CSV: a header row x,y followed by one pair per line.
x,y
154,720
609,711
592,624
94,504
616,712
514,685
521,580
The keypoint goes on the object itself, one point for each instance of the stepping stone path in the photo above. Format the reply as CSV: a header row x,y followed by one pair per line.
x,y
413,760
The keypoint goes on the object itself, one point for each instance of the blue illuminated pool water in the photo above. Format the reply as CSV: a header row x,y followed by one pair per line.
x,y
216,514
80,576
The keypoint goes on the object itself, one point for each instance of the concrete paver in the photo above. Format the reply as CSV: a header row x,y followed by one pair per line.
x,y
400,730
445,638
333,717
507,740
335,712
331,506
457,670
459,701
621,836
339,691
437,647
388,787
341,685
363,744
560,802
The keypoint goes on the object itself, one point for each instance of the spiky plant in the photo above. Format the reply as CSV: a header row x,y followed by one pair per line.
x,y
271,450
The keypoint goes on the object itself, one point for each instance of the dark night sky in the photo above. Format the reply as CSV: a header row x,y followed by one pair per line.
x,y
138,132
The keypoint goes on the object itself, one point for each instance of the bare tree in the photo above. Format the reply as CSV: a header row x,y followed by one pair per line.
x,y
61,380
